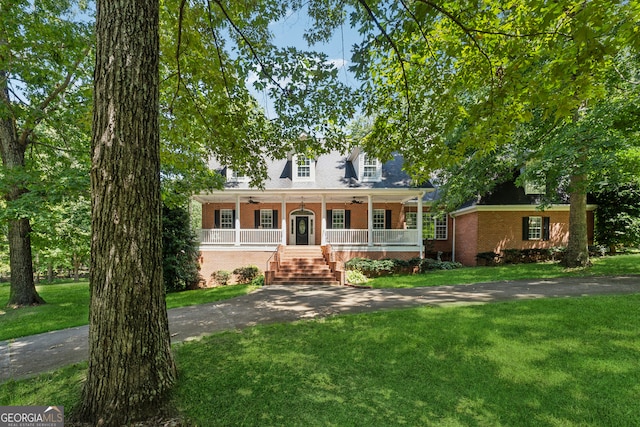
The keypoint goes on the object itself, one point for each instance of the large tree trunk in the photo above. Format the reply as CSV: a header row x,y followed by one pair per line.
x,y
131,367
577,254
23,289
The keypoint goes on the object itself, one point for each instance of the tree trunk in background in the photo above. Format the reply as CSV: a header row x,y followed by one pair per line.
x,y
577,254
131,367
23,290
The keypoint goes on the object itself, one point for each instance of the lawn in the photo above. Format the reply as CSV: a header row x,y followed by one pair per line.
x,y
555,362
68,306
604,266
68,302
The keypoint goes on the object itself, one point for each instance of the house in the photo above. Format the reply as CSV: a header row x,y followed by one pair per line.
x,y
353,204
347,206
510,217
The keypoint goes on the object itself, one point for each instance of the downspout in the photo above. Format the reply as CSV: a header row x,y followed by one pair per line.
x,y
453,240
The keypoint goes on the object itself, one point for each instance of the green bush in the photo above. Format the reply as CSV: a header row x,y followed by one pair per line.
x,y
246,274
258,281
221,277
429,264
373,267
355,277
487,258
180,250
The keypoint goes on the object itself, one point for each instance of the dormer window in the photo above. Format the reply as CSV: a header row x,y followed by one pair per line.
x,y
371,168
235,176
303,168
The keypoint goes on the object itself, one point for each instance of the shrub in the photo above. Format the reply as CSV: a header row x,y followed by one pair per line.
x,y
179,250
258,281
246,274
371,267
355,277
428,264
221,277
487,258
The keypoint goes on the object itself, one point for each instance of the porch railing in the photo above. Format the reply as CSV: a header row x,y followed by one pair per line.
x,y
335,237
380,237
247,236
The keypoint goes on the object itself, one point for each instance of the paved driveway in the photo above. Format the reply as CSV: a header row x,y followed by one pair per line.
x,y
24,357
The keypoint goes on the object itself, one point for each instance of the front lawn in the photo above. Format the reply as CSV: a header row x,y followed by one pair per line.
x,y
554,362
68,306
604,266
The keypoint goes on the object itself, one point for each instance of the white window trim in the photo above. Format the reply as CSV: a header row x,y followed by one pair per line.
x,y
377,176
312,169
535,231
338,214
228,214
435,226
232,176
266,213
379,213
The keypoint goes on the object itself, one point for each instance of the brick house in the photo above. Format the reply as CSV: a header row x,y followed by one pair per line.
x,y
346,206
510,218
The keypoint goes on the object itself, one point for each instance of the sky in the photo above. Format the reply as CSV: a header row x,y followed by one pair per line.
x,y
289,32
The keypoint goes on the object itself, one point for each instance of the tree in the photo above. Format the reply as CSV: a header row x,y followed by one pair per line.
x,y
448,81
131,367
179,250
618,215
34,78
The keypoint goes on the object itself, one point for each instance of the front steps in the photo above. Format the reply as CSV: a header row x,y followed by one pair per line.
x,y
302,265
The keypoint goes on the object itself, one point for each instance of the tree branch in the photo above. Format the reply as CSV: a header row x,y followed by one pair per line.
x,y
218,51
41,109
178,44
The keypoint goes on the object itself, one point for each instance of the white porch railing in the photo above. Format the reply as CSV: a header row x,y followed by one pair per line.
x,y
261,236
380,237
247,236
335,237
346,237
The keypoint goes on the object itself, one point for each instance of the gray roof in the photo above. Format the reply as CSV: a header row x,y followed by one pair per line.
x,y
333,171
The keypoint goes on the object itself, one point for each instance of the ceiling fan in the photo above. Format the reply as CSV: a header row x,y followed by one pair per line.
x,y
355,201
253,202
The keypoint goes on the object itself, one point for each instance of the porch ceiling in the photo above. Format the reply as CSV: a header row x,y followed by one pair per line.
x,y
313,196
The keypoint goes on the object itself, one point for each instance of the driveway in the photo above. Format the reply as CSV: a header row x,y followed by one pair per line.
x,y
28,356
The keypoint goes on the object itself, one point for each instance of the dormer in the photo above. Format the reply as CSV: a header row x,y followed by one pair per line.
x,y
303,168
367,167
235,176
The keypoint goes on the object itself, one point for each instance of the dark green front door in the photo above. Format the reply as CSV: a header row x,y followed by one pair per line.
x,y
302,230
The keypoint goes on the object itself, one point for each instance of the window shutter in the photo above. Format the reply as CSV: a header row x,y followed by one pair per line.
x,y
525,228
256,218
233,215
329,218
347,219
275,219
545,227
387,219
216,218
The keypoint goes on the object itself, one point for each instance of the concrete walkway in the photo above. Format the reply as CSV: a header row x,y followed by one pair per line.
x,y
28,356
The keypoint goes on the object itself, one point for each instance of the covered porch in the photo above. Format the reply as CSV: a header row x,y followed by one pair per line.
x,y
359,219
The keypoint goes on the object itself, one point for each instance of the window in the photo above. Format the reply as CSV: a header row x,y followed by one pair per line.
x,y
304,167
411,219
235,176
226,218
266,218
434,226
371,168
337,219
378,218
535,228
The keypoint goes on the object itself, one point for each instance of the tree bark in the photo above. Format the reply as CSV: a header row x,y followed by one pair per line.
x,y
131,367
23,290
577,254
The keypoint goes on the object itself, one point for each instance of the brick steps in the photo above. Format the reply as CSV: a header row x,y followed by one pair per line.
x,y
303,265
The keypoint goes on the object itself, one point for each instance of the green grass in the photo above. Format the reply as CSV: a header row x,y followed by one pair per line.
x,y
552,362
68,306
605,266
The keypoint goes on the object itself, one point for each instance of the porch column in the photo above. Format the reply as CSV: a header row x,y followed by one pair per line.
x,y
283,221
419,224
323,222
370,220
237,222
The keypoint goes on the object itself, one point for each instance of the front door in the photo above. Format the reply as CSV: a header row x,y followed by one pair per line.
x,y
302,230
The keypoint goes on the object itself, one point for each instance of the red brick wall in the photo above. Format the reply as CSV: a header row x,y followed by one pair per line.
x,y
229,260
494,231
466,238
